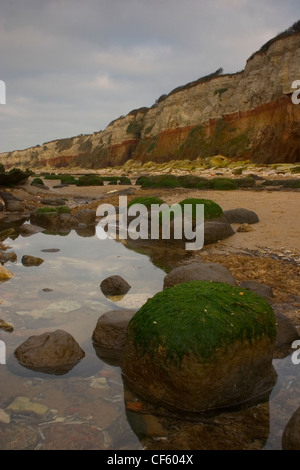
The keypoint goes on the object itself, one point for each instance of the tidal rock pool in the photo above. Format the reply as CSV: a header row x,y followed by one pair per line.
x,y
91,406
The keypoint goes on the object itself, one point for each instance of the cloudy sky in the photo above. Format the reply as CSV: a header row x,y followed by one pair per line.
x,y
72,66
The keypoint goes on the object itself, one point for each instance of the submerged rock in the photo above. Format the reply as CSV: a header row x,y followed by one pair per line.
x,y
198,271
114,285
6,326
25,405
55,352
4,417
15,206
18,436
201,345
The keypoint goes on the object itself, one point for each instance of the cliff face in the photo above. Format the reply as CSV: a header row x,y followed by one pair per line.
x,y
249,114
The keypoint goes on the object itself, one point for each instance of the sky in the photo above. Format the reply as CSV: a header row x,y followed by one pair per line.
x,y
71,66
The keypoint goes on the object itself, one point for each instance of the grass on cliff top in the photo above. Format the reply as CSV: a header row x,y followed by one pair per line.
x,y
201,318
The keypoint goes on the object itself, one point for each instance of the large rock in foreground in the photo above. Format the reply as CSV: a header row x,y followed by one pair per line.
x,y
54,352
200,346
199,272
291,434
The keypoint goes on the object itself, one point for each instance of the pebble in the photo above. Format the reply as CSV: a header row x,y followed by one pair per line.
x,y
4,417
5,274
6,326
24,404
99,383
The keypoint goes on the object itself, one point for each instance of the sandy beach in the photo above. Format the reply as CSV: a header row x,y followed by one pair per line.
x,y
278,211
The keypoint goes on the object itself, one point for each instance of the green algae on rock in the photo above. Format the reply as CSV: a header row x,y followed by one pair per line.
x,y
146,201
212,210
201,345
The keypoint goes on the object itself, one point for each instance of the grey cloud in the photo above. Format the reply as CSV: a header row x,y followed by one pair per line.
x,y
71,67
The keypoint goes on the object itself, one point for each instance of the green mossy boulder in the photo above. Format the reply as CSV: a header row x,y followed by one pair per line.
x,y
89,180
161,181
224,184
201,345
212,210
37,181
146,201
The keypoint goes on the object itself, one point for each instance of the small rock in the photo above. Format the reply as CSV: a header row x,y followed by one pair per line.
x,y
9,232
114,285
245,228
51,250
110,331
286,334
55,352
6,257
241,216
86,216
29,229
25,405
214,231
53,202
4,417
198,271
261,289
6,326
99,383
28,260
15,206
5,274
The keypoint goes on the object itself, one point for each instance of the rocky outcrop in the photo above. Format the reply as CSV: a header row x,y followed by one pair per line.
x,y
248,114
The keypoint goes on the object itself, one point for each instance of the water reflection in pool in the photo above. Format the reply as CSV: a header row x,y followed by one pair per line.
x,y
90,407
